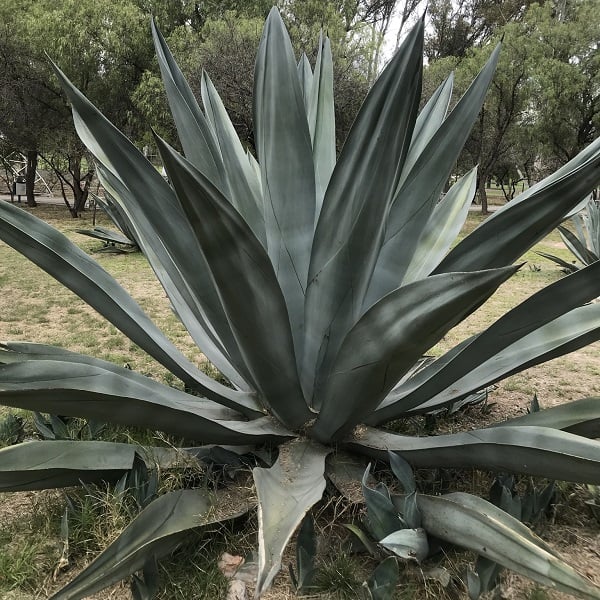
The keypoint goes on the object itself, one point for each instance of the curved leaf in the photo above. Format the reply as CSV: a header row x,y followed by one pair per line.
x,y
305,76
514,228
568,267
199,144
186,282
286,491
154,533
247,286
321,121
62,463
480,353
407,543
350,225
571,241
82,390
54,253
473,526
539,451
244,189
284,152
581,417
167,243
570,332
414,201
391,337
442,228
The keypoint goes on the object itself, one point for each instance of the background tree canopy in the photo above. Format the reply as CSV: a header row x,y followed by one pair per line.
x,y
543,106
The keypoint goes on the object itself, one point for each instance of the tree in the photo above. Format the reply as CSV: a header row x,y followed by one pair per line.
x,y
567,80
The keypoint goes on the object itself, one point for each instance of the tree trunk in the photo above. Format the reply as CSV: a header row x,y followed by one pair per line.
x,y
482,194
32,161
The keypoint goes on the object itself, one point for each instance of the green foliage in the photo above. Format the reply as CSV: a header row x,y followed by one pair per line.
x,y
314,285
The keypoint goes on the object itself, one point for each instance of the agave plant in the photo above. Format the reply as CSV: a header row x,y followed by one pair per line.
x,y
314,283
114,241
584,243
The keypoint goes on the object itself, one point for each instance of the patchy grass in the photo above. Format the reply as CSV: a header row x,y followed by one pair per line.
x,y
35,308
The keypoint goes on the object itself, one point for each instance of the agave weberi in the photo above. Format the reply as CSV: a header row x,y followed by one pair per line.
x,y
314,285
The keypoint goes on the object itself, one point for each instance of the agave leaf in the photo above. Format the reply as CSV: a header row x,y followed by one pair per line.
x,y
187,283
414,201
407,543
285,155
382,515
106,235
306,552
167,243
350,225
384,579
473,526
571,241
62,463
442,228
581,417
569,332
518,225
77,389
247,286
244,189
305,76
155,532
54,253
538,451
391,337
286,492
532,317
321,121
428,122
403,472
569,267
199,145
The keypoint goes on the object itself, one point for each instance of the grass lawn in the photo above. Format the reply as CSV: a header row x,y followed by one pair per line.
x,y
33,307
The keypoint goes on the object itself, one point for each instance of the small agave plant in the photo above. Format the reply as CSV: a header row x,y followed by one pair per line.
x,y
584,243
314,284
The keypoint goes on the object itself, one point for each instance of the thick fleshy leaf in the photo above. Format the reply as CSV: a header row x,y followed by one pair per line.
x,y
83,390
350,226
581,417
473,525
187,283
391,337
510,231
247,286
573,243
382,516
54,253
106,235
244,189
321,121
568,267
382,583
198,142
415,199
286,492
442,228
306,553
305,76
538,451
167,243
570,332
155,532
284,152
428,122
62,463
532,317
407,543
